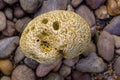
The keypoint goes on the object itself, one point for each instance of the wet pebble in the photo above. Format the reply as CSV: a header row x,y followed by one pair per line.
x,y
9,13
22,72
2,4
116,66
93,4
2,21
87,14
65,70
31,63
71,62
5,78
10,29
50,5
18,12
80,76
92,63
113,26
54,76
18,55
8,45
10,1
6,66
43,69
75,3
106,46
30,6
21,24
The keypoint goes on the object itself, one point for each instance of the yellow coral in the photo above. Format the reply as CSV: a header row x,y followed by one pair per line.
x,y
55,34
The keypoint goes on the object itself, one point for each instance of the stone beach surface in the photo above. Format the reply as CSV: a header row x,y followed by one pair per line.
x,y
100,61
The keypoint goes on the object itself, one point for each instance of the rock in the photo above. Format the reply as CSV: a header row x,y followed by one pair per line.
x,y
93,4
9,13
91,48
54,76
116,66
117,51
50,5
65,70
8,45
71,62
87,14
21,24
117,41
18,12
30,6
68,78
2,21
10,1
5,78
18,55
70,8
43,69
31,63
113,26
106,46
2,4
80,76
6,67
10,30
113,7
92,63
110,78
22,72
102,13
75,3
57,66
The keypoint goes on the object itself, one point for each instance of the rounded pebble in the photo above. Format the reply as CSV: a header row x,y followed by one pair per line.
x,y
9,13
2,21
22,72
5,78
10,1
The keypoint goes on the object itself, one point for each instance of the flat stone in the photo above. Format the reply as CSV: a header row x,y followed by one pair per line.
x,y
116,66
92,63
106,46
117,41
2,21
8,45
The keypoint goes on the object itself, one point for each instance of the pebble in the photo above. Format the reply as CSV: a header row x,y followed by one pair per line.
x,y
91,48
70,8
50,5
94,4
2,21
117,41
22,72
31,63
9,13
71,62
65,70
58,66
106,46
8,45
5,78
10,1
110,78
6,66
18,12
18,55
2,4
43,69
113,7
21,24
54,76
117,51
75,3
116,66
113,26
92,63
102,13
10,30
80,76
30,6
87,14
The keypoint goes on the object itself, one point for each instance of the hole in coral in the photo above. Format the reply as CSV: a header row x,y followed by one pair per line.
x,y
45,43
60,51
27,31
56,25
37,40
44,21
32,28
